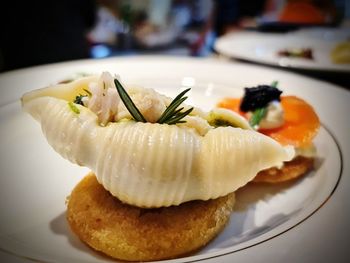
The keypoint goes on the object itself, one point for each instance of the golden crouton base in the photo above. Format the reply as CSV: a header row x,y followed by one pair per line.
x,y
290,170
138,234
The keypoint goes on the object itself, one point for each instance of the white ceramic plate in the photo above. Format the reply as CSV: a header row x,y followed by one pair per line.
x,y
264,47
306,220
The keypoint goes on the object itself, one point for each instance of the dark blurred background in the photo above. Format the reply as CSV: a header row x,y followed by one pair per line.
x,y
40,32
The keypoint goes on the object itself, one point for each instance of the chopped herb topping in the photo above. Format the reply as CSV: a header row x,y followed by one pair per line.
x,y
79,99
73,107
221,123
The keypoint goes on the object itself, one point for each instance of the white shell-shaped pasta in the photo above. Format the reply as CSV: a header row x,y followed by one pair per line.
x,y
65,91
154,165
229,116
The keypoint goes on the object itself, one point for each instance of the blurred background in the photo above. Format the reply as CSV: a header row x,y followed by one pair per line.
x,y
41,32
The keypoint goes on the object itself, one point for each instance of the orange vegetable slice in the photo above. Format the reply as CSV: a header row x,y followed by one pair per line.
x,y
231,104
301,121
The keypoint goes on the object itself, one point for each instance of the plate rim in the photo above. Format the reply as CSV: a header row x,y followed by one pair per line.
x,y
217,254
327,129
222,41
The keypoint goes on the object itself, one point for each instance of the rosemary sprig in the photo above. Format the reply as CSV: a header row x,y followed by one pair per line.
x,y
129,104
173,115
177,117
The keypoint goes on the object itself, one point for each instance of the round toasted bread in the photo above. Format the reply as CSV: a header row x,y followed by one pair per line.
x,y
290,170
137,234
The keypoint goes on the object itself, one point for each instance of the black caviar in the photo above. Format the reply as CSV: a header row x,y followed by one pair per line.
x,y
258,97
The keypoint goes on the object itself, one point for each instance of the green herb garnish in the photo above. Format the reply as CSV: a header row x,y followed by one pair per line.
x,y
274,83
88,92
257,116
73,107
259,113
221,123
79,99
173,115
129,104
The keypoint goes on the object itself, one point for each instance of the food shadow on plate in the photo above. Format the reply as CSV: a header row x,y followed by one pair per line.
x,y
59,226
240,228
243,225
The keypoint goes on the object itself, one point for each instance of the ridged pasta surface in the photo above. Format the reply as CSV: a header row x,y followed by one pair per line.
x,y
154,165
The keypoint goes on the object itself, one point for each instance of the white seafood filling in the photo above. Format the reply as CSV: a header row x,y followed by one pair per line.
x,y
151,164
106,103
199,124
150,103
